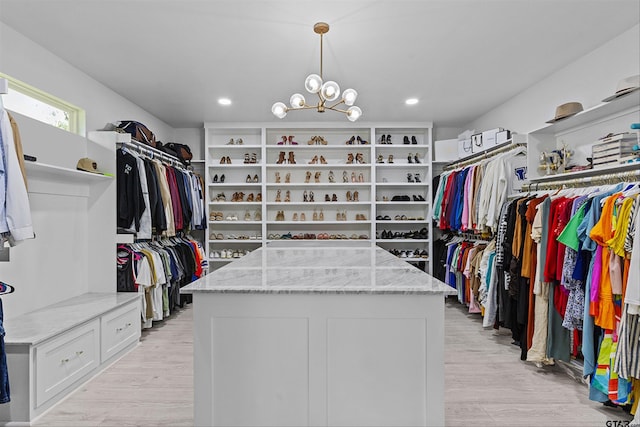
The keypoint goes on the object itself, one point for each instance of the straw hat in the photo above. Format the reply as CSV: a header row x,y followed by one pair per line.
x,y
566,110
625,86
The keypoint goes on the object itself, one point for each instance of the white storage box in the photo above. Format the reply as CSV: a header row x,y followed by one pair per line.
x,y
477,143
464,148
489,138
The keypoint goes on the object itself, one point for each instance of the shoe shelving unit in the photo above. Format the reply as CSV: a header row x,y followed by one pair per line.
x,y
314,186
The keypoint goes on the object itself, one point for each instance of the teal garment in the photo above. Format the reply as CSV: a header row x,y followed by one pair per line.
x,y
558,337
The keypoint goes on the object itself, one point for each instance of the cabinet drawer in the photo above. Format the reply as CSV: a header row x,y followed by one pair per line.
x,y
65,359
119,329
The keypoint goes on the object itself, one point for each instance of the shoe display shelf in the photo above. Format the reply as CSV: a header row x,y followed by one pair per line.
x,y
319,183
403,193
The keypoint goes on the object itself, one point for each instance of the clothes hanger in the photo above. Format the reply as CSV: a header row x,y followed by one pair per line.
x,y
6,289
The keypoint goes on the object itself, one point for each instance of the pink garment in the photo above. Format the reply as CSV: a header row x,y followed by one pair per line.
x,y
468,182
595,276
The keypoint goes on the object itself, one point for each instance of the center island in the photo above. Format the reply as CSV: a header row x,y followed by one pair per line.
x,y
318,336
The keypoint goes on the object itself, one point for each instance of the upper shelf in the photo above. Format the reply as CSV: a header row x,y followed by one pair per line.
x,y
592,115
613,169
51,171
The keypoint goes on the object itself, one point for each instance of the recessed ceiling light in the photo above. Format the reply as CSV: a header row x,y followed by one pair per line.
x,y
411,101
224,101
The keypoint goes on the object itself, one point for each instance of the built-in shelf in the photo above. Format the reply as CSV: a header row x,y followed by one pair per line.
x,y
617,168
46,170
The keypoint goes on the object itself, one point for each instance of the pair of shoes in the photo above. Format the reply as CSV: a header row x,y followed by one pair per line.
x,y
254,179
413,177
215,178
341,216
237,142
317,140
303,217
385,139
418,198
280,216
290,140
308,177
383,218
360,177
220,197
353,139
352,197
308,197
287,178
225,160
314,161
253,158
328,198
216,216
318,216
359,158
238,197
405,140
281,158
413,159
361,217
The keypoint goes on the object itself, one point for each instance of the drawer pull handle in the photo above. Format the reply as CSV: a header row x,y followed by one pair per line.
x,y
64,361
78,353
123,328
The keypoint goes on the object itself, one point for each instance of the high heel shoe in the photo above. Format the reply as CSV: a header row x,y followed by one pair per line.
x,y
223,160
353,177
349,199
284,141
215,178
255,178
351,140
315,215
416,158
311,197
349,158
356,196
312,140
345,177
254,158
287,196
389,139
323,161
222,178
317,176
246,158
414,140
410,158
277,177
307,177
305,196
231,142
314,160
303,217
383,139
291,141
278,196
405,140
360,177
248,178
259,197
390,160
410,177
321,140
327,198
287,178
280,158
295,216
334,198
332,177
361,141
291,160
380,159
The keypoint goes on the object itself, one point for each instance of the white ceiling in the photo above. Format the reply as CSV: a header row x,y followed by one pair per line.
x,y
460,58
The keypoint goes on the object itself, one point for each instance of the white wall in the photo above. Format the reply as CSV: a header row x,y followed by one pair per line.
x,y
29,62
194,138
588,80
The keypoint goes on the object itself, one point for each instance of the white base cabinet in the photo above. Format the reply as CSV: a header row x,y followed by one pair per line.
x,y
50,352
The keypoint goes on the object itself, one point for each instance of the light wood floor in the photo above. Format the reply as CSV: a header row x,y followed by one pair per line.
x,y
486,384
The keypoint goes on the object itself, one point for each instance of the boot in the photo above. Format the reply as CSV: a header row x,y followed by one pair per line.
x,y
292,159
281,158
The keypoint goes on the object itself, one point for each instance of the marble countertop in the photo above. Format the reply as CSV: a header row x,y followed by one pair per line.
x,y
342,270
37,326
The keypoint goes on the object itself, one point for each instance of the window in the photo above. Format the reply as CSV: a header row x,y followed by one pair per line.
x,y
29,101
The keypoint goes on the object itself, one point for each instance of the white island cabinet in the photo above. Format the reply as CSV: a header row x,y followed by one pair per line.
x,y
331,336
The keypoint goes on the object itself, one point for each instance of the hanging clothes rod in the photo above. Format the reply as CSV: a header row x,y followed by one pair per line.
x,y
153,152
610,178
486,154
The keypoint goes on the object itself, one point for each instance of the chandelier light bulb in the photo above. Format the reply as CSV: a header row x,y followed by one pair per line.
x,y
349,96
330,91
297,100
313,83
354,113
279,110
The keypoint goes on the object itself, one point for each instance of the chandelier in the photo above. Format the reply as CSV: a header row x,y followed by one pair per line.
x,y
327,92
